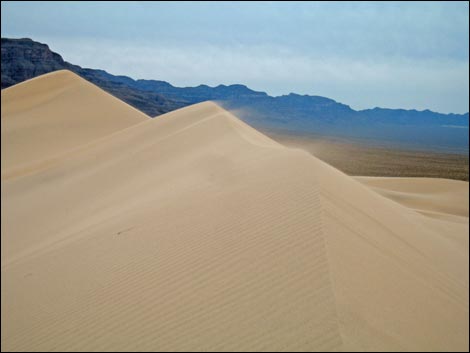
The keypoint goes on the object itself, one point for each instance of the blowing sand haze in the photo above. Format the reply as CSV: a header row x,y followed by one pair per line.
x,y
195,232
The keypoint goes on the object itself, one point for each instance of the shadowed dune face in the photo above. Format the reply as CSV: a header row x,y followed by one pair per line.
x,y
194,231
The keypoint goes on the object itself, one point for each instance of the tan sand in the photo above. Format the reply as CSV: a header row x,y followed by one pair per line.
x,y
50,114
434,197
193,231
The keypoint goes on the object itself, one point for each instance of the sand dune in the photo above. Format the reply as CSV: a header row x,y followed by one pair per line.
x,y
50,114
434,197
194,231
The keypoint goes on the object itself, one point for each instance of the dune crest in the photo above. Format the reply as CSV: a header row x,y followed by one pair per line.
x,y
193,231
52,113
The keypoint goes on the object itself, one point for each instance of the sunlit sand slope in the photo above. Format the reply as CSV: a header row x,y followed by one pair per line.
x,y
50,114
194,231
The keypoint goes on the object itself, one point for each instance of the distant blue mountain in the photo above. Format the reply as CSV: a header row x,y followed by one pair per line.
x,y
304,114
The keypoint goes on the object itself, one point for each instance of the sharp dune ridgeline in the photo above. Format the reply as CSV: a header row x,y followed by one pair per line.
x,y
193,231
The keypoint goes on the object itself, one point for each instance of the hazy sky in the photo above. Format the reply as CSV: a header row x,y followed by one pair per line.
x,y
395,55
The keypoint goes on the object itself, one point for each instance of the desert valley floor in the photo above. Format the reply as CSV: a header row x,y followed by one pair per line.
x,y
194,231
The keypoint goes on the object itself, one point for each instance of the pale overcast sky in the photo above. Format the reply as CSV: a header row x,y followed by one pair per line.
x,y
365,54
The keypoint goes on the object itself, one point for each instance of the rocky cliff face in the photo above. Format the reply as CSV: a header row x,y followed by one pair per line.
x,y
24,58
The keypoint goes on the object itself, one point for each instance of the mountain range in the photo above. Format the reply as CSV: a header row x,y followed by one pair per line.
x,y
24,59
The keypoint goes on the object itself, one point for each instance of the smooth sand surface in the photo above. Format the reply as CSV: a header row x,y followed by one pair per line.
x,y
434,197
193,231
50,114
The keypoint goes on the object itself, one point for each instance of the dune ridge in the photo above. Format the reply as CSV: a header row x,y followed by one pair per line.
x,y
52,113
194,231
